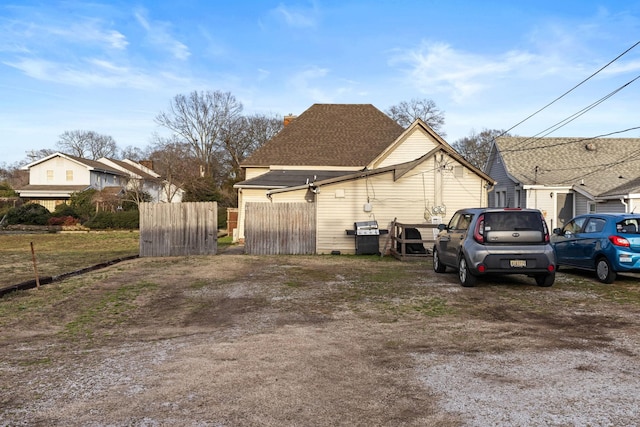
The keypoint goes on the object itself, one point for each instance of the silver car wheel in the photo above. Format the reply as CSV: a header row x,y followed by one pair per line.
x,y
604,271
466,278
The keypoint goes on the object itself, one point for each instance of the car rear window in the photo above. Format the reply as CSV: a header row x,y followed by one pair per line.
x,y
513,227
512,221
629,226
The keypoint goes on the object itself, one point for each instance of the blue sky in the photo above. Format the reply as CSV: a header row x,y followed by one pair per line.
x,y
111,67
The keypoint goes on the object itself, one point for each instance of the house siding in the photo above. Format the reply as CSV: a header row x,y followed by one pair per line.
x,y
251,173
415,145
581,204
59,165
503,184
610,206
410,199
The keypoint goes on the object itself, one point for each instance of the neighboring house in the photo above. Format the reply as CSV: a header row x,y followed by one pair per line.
x,y
143,179
354,163
564,177
53,179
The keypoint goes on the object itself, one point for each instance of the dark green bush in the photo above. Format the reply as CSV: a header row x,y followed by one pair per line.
x,y
126,220
28,214
63,210
83,205
6,190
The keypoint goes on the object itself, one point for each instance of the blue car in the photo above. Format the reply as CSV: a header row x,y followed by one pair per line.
x,y
605,243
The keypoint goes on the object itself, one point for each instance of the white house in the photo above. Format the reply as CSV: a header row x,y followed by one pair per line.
x,y
53,179
354,163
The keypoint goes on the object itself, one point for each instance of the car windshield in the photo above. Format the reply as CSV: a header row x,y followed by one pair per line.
x,y
512,221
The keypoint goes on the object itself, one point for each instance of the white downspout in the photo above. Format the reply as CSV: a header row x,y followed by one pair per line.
x,y
626,205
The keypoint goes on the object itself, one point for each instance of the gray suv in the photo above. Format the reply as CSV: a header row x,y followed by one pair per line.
x,y
483,241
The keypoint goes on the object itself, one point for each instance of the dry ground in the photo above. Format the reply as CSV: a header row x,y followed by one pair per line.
x,y
238,340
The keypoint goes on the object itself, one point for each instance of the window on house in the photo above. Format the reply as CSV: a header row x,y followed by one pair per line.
x,y
591,207
69,175
49,175
501,199
517,200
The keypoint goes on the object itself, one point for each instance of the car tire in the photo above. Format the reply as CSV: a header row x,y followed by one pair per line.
x,y
545,280
466,278
438,266
604,272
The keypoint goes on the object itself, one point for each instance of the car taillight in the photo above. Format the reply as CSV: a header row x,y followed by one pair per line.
x,y
478,232
619,241
545,229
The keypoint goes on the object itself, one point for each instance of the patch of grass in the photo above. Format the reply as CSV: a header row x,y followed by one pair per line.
x,y
36,362
112,309
61,253
430,307
225,241
199,284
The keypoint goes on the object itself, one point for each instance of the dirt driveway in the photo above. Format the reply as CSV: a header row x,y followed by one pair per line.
x,y
238,340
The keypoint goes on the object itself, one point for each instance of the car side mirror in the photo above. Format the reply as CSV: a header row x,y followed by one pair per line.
x,y
557,231
442,227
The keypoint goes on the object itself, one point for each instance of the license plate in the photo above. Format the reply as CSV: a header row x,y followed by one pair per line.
x,y
625,258
518,263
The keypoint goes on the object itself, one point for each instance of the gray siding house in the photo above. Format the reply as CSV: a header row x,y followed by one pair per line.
x,y
564,177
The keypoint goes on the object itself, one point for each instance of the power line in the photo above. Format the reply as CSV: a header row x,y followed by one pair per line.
x,y
573,88
574,116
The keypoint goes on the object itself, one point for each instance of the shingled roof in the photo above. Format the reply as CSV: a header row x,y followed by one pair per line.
x,y
329,135
600,166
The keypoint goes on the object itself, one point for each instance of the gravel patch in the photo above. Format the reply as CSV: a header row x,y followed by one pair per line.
x,y
551,388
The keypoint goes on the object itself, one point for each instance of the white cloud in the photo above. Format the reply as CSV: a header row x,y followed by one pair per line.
x,y
93,72
297,17
22,36
159,35
304,82
437,67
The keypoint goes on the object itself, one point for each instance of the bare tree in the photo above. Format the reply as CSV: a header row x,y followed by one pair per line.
x,y
477,146
174,161
201,120
132,153
33,155
87,144
406,113
246,135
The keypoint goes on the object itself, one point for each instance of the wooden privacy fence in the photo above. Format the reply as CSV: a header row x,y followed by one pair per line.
x,y
280,228
177,229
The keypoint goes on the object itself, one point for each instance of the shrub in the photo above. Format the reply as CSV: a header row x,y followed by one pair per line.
x,y
82,203
6,190
28,214
63,210
127,220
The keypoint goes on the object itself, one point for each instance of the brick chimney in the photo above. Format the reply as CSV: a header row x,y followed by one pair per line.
x,y
288,119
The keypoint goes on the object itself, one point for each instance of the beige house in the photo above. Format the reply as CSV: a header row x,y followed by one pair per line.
x,y
565,177
354,163
53,179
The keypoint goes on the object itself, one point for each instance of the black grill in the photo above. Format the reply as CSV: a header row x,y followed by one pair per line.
x,y
367,237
